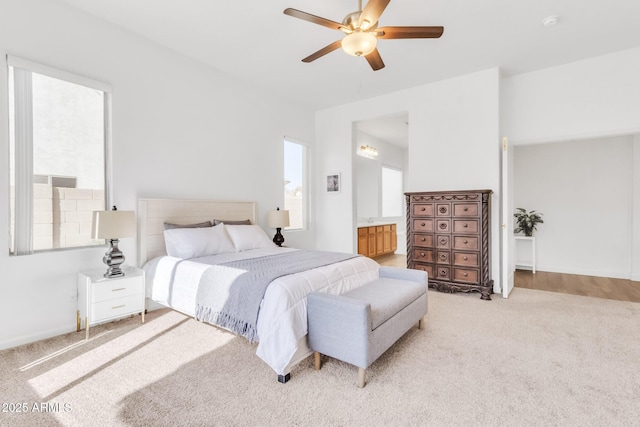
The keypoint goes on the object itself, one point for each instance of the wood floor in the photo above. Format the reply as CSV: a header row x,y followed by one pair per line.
x,y
598,287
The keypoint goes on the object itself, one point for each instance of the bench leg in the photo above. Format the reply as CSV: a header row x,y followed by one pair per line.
x,y
316,360
421,323
361,375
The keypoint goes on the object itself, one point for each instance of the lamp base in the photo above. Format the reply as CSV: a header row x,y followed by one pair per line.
x,y
278,239
113,258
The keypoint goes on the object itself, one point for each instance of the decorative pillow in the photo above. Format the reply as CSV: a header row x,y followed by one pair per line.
x,y
170,226
221,221
247,237
196,242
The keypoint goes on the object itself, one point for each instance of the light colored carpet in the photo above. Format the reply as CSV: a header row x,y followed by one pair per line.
x,y
538,358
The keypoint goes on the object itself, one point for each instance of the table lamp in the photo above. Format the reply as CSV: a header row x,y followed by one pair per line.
x,y
113,225
278,219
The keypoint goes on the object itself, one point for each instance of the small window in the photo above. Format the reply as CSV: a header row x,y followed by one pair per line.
x,y
392,194
295,184
58,137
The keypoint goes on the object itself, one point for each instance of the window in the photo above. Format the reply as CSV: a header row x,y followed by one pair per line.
x,y
295,183
392,194
59,129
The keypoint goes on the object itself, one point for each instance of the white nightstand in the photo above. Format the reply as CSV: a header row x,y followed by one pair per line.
x,y
102,300
533,252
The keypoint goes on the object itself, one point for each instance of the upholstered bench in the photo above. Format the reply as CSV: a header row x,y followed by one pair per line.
x,y
358,326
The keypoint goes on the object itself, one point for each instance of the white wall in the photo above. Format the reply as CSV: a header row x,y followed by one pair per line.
x,y
583,188
594,98
454,144
585,99
180,129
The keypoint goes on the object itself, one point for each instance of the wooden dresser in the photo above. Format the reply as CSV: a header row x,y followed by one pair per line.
x,y
448,236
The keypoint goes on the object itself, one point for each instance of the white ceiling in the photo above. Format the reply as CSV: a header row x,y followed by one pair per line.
x,y
254,41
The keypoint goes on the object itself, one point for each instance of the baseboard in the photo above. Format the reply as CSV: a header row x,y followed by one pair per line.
x,y
580,271
28,339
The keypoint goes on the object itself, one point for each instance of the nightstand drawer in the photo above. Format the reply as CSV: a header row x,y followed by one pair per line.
x,y
106,310
118,288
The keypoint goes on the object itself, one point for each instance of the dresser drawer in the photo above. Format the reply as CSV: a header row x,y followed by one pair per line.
x,y
466,259
468,275
465,209
443,209
423,240
424,267
443,257
442,273
443,241
423,255
465,242
423,209
443,225
106,310
423,225
119,288
465,226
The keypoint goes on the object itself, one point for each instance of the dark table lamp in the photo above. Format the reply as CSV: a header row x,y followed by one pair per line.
x,y
278,219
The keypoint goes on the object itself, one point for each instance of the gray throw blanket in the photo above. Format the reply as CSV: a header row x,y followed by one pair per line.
x,y
229,294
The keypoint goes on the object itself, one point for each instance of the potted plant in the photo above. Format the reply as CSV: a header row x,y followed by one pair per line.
x,y
527,221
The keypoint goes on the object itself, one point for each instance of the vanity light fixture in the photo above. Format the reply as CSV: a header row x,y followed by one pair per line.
x,y
368,151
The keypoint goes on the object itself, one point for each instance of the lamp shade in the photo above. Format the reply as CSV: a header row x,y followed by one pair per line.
x,y
278,219
113,224
359,43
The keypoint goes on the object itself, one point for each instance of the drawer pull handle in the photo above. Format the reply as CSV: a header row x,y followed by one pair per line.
x,y
443,226
443,257
443,272
422,254
423,239
466,209
443,210
423,209
465,274
443,241
465,225
117,306
465,258
465,241
118,289
423,224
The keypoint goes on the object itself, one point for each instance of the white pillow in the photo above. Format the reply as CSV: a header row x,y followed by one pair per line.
x,y
247,237
196,242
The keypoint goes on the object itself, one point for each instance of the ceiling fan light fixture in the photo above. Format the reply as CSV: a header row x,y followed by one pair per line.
x,y
359,43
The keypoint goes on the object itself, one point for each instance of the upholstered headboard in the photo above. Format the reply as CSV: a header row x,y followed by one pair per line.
x,y
153,213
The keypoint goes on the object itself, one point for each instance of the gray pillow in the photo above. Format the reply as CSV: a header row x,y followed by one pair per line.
x,y
170,226
220,221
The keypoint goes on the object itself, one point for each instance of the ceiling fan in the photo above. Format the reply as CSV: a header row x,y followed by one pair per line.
x,y
362,32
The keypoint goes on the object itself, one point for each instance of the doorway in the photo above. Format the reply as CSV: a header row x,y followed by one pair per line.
x,y
380,168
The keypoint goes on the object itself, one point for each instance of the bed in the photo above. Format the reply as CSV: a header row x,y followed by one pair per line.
x,y
191,279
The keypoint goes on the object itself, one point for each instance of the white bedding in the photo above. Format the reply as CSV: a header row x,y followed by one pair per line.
x,y
282,320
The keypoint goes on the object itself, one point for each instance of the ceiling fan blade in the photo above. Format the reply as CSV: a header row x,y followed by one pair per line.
x,y
313,18
375,60
372,12
322,52
409,32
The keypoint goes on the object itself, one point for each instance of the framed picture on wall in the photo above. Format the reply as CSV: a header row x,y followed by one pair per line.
x,y
333,183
